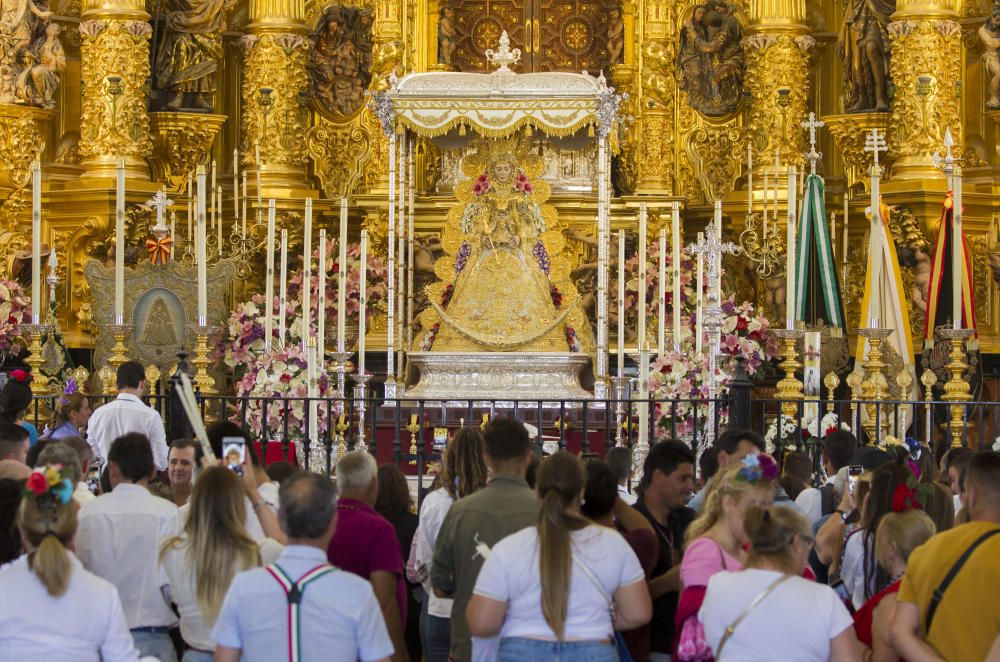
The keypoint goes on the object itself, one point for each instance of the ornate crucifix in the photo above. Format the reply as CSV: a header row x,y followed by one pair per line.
x,y
160,202
812,155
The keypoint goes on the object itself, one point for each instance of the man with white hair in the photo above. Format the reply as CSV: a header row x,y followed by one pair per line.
x,y
365,543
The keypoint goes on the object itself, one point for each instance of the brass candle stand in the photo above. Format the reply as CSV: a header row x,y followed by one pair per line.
x,y
831,382
956,389
620,385
342,427
360,394
119,356
39,382
203,381
929,379
413,428
342,365
790,387
875,387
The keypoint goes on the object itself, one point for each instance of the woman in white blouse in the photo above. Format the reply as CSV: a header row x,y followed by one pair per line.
x,y
51,608
768,611
547,590
200,563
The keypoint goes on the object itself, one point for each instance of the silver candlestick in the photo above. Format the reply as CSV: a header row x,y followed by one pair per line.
x,y
360,391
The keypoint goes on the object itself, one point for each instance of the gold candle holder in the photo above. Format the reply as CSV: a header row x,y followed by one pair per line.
x,y
831,382
929,379
342,427
203,381
413,428
956,389
39,383
789,387
119,356
875,387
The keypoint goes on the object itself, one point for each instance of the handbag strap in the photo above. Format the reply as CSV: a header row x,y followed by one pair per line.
x,y
593,579
950,577
746,612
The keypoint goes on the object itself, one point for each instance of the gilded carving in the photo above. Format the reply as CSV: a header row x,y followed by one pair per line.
x,y
340,62
181,141
989,34
778,62
717,154
21,21
338,152
710,65
115,68
863,47
43,65
187,51
21,138
849,133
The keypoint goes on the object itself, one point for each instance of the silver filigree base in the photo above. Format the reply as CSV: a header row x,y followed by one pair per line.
x,y
552,376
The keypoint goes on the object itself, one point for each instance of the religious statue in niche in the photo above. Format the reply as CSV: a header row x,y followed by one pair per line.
x,y
989,33
341,61
616,36
31,56
446,35
863,46
710,59
187,51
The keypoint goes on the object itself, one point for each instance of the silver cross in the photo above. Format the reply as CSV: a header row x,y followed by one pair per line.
x,y
159,202
813,156
875,143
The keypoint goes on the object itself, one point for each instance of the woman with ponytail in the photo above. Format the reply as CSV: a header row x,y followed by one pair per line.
x,y
51,608
558,590
715,541
768,610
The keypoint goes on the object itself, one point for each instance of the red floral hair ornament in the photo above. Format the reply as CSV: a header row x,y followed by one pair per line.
x,y
906,497
20,375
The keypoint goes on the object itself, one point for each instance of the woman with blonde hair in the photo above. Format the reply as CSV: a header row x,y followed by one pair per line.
x,y
768,610
898,534
51,608
559,590
463,472
202,560
71,417
716,538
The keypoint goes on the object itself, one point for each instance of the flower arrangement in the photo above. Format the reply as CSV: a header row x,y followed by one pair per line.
x,y
481,185
51,480
793,433
757,468
678,382
523,185
15,309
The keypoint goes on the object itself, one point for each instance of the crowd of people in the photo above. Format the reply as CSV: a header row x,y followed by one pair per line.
x,y
117,545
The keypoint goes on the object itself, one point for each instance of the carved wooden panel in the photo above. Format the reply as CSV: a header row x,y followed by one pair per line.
x,y
478,24
571,35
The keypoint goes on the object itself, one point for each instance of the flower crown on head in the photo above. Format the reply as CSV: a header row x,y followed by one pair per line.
x,y
755,468
911,494
51,480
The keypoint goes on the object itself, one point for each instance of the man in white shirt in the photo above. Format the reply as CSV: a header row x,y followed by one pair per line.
x,y
127,413
119,539
183,457
619,459
337,614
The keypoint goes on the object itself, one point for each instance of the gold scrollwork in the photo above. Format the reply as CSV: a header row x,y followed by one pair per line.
x,y
717,154
338,152
181,142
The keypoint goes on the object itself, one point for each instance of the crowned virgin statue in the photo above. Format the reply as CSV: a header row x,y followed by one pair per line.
x,y
499,291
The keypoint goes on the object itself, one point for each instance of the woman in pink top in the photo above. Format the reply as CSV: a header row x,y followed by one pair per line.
x,y
716,539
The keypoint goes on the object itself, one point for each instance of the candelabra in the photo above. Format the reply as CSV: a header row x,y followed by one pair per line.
x,y
360,393
342,365
789,387
875,387
119,356
929,379
202,380
956,389
620,384
763,245
39,382
413,428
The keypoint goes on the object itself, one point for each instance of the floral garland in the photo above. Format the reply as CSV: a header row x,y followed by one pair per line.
x,y
793,434
15,309
52,480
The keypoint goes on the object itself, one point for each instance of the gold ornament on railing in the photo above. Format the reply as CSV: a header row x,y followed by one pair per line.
x,y
831,382
789,387
956,389
413,428
875,387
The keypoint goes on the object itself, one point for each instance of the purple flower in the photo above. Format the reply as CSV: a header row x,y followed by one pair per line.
x,y
542,256
462,257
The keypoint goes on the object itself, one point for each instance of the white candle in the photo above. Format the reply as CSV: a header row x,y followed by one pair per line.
x,y
342,276
256,148
190,197
843,257
621,303
957,253
363,300
53,265
675,224
173,233
717,221
311,373
243,204
283,287
215,210
699,308
749,177
777,176
36,245
202,257
307,273
218,217
269,279
236,186
763,230
662,294
790,253
119,244
641,335
321,302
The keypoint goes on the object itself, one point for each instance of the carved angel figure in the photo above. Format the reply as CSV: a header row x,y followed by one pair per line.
x,y
989,33
446,35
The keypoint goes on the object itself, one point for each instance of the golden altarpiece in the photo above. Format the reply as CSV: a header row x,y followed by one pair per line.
x,y
282,86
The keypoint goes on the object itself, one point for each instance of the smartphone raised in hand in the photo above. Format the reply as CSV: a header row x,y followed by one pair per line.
x,y
234,453
854,472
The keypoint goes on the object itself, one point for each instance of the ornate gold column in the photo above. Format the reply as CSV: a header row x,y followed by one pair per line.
x,y
654,130
275,93
777,52
926,72
114,123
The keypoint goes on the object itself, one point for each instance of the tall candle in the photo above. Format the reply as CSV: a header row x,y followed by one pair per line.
x,y
342,276
763,227
283,287
269,280
200,248
833,235
243,227
36,246
641,340
307,272
790,253
215,210
53,265
363,300
777,176
662,295
173,233
190,198
843,256
717,222
119,244
699,308
321,301
749,177
218,216
236,185
957,253
675,225
621,303
256,149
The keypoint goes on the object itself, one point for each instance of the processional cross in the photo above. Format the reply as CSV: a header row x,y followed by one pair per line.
x,y
160,202
875,143
813,156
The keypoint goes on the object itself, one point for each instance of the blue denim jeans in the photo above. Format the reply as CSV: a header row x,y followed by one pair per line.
x,y
435,635
155,644
517,649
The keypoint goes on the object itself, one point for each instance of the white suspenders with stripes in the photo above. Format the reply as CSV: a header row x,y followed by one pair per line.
x,y
293,593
